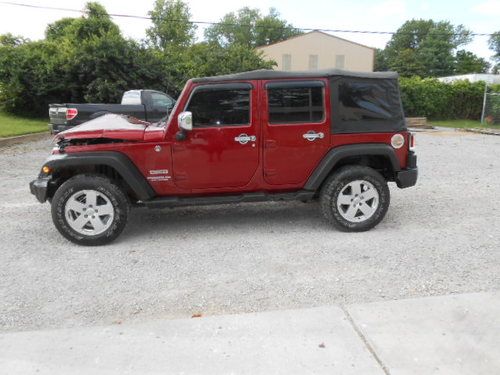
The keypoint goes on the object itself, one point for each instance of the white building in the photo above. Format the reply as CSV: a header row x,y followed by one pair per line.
x,y
318,50
474,77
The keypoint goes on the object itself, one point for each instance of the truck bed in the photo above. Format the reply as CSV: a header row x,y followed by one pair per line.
x,y
89,111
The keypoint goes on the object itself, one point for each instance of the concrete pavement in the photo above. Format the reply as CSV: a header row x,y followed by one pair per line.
x,y
456,334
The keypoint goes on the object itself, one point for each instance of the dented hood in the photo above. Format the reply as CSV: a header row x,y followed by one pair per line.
x,y
109,126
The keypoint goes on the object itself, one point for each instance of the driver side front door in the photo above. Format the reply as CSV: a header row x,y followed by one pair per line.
x,y
222,150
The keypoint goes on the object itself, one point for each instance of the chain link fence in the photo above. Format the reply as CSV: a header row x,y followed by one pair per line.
x,y
491,110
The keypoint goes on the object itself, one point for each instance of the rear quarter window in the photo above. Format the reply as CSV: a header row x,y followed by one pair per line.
x,y
364,105
364,101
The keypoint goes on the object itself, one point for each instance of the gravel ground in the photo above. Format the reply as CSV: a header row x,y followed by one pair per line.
x,y
439,237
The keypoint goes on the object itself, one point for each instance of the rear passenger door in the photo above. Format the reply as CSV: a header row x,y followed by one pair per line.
x,y
296,129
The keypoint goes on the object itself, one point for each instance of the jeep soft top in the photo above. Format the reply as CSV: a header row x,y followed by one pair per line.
x,y
332,135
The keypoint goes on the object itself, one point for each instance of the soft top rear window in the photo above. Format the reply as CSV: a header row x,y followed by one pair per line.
x,y
366,105
364,101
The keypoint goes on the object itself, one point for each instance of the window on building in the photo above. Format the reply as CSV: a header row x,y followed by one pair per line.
x,y
220,107
340,61
300,104
313,62
287,61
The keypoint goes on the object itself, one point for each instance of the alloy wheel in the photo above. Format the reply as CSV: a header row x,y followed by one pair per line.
x,y
89,212
358,201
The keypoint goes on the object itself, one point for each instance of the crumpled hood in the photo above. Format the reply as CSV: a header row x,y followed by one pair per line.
x,y
110,126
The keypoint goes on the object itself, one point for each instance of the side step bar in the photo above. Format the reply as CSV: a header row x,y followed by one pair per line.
x,y
170,202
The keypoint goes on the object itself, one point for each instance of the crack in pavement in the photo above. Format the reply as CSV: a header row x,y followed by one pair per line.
x,y
364,340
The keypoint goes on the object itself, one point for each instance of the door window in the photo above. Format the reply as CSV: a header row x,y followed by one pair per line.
x,y
300,104
220,107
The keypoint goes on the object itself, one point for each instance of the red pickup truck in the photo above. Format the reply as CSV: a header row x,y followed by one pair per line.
x,y
334,136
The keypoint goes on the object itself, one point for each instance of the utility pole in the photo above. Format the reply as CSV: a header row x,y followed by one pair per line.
x,y
484,102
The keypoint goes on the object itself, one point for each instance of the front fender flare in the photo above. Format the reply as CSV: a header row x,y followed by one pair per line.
x,y
116,160
338,153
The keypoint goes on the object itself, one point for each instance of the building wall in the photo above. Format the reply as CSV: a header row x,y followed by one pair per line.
x,y
317,50
473,77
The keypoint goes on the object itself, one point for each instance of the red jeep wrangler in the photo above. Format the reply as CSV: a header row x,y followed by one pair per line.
x,y
263,135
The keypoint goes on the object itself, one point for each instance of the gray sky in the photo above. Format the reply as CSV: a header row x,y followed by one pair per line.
x,y
481,16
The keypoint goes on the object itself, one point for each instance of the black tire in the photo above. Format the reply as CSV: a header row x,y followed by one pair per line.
x,y
103,185
334,185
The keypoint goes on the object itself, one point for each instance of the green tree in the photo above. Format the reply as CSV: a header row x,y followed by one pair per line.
x,y
82,59
95,24
59,29
494,44
425,48
439,100
209,58
171,25
381,64
88,59
249,28
271,29
9,40
467,62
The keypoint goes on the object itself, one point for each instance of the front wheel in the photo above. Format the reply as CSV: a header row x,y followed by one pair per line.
x,y
355,198
90,210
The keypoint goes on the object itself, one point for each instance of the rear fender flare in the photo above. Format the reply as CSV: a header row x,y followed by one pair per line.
x,y
334,156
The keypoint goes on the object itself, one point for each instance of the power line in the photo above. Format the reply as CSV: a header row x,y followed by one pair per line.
x,y
225,23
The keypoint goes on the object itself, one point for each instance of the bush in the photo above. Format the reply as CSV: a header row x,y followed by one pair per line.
x,y
441,101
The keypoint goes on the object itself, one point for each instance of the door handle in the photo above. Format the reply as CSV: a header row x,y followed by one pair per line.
x,y
245,138
311,135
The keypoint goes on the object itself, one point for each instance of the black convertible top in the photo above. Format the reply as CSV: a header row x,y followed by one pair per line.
x,y
360,102
276,74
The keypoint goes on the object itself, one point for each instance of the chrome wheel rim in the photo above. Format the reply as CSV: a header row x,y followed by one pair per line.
x,y
358,201
89,212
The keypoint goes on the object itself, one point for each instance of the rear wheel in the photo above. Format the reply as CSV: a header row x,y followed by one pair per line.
x,y
90,210
355,198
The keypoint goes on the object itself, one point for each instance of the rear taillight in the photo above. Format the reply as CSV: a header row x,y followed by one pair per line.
x,y
71,113
411,141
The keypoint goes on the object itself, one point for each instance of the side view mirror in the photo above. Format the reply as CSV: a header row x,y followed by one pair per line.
x,y
185,121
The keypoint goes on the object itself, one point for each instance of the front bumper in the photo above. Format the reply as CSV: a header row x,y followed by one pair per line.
x,y
40,187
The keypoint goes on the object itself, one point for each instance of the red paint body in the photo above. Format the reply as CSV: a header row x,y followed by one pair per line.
x,y
209,161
